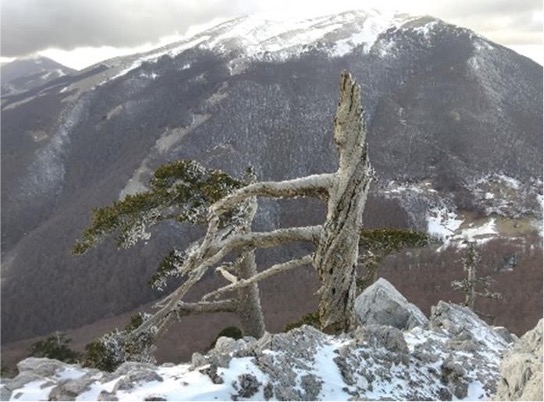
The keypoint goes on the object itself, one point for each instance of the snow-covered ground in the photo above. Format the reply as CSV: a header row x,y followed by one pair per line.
x,y
371,363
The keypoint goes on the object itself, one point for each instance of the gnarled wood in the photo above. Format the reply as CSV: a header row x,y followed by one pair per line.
x,y
336,255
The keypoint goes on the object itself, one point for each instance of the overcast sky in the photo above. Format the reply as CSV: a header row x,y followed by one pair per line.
x,y
81,32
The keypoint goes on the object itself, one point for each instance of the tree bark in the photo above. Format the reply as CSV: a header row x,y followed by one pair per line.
x,y
248,307
336,254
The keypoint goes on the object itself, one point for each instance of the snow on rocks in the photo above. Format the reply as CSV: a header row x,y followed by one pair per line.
x,y
453,355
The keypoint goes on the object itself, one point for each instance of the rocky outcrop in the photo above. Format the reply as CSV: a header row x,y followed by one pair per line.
x,y
382,304
454,355
521,369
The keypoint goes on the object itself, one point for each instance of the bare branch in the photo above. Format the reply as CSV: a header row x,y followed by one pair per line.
x,y
273,270
198,262
226,274
309,186
273,238
224,306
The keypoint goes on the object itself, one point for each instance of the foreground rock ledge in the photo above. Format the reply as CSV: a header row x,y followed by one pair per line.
x,y
454,355
521,369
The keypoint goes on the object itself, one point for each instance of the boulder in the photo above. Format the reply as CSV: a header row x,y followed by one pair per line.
x,y
41,366
382,304
521,369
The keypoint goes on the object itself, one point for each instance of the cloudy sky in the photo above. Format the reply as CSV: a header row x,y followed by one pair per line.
x,y
81,32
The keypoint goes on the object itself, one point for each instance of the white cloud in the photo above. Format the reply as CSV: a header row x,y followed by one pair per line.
x,y
98,26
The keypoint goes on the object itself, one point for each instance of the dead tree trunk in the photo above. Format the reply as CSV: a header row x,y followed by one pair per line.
x,y
336,255
248,302
248,306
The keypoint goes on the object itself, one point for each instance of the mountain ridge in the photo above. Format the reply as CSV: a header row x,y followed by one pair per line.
x,y
432,103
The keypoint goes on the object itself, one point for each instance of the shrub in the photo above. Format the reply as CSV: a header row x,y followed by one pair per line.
x,y
55,347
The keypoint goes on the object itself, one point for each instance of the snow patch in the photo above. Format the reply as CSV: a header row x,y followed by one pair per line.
x,y
442,224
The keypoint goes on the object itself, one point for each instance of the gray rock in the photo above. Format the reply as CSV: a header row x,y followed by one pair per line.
x,y
71,388
155,398
221,355
107,396
141,374
311,385
381,336
454,374
20,380
506,335
5,394
521,369
59,393
268,391
382,304
41,366
248,385
131,367
211,371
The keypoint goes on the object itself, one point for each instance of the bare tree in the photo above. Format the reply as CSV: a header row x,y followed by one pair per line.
x,y
470,284
229,230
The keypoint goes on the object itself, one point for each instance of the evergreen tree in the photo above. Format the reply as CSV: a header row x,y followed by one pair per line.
x,y
55,347
378,244
472,285
187,192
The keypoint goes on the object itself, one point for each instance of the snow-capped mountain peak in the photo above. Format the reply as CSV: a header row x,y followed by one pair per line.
x,y
254,37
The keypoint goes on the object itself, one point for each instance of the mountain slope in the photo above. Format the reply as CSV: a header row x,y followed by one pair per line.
x,y
24,74
442,104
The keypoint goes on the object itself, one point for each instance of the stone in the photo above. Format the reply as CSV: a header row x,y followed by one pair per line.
x,y
453,374
248,385
107,396
268,391
41,366
5,394
72,387
211,371
141,374
382,336
155,398
505,334
382,304
521,369
20,380
59,393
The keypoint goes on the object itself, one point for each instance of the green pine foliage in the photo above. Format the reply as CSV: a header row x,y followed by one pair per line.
x,y
98,356
391,240
114,348
376,244
55,347
311,319
181,191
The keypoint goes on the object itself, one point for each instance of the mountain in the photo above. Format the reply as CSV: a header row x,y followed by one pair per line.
x,y
24,74
454,121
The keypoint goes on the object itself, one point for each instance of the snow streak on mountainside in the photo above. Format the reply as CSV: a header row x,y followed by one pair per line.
x,y
255,38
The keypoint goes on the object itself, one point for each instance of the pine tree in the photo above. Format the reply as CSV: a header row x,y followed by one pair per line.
x,y
471,284
188,192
